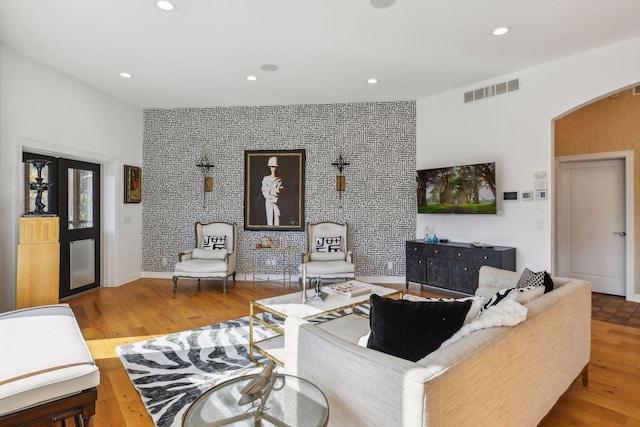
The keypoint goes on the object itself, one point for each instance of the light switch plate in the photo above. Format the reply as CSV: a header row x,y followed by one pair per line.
x,y
541,184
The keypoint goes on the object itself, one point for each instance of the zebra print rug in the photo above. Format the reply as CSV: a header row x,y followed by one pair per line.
x,y
170,372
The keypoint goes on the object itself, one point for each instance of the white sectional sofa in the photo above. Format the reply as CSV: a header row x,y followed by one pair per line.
x,y
47,373
500,376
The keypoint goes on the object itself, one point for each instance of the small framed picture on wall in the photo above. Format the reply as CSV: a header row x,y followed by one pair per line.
x,y
132,184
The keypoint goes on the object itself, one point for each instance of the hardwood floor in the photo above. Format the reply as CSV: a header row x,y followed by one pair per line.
x,y
147,307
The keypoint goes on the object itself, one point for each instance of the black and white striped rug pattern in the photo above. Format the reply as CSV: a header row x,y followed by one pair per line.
x,y
171,371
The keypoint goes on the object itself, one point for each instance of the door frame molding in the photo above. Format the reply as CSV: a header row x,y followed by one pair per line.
x,y
627,156
109,225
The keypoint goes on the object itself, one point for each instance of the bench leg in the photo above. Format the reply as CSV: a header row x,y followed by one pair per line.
x,y
585,375
175,284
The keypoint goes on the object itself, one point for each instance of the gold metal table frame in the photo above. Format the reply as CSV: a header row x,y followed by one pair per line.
x,y
291,304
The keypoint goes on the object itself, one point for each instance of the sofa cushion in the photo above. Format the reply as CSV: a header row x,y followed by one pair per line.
x,y
476,304
411,330
541,278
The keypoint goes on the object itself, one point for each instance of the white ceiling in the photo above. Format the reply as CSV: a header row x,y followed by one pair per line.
x,y
200,54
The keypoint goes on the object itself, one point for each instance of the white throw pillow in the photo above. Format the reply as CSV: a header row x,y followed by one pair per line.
x,y
476,304
327,256
209,253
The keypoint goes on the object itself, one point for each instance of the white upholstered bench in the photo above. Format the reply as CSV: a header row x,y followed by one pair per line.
x,y
47,373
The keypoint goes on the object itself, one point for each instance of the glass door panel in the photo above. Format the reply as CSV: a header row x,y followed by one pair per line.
x,y
80,201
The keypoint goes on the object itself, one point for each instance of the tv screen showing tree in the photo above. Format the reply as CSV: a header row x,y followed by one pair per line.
x,y
469,189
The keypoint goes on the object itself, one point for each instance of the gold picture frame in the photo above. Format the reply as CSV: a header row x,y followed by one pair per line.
x,y
132,184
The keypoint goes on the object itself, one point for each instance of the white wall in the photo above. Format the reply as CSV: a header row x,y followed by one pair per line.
x,y
45,111
515,130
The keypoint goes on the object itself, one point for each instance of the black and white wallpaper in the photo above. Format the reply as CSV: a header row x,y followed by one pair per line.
x,y
378,139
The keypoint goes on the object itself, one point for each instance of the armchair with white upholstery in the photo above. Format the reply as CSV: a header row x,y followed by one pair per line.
x,y
328,255
213,257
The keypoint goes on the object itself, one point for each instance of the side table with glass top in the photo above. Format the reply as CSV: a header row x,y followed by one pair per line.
x,y
292,402
268,260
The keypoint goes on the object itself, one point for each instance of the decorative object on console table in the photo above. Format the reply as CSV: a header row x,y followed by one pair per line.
x,y
39,186
132,184
453,265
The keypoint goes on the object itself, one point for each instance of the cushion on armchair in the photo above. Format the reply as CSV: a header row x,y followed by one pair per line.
x,y
327,256
209,253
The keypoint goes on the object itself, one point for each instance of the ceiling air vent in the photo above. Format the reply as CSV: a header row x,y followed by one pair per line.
x,y
634,91
494,90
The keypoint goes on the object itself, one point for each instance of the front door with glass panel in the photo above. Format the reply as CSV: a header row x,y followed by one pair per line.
x,y
79,210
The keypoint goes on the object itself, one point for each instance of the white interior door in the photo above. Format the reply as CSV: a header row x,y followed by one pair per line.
x,y
591,223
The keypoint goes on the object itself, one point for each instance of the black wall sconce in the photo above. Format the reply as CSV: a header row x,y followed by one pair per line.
x,y
205,167
341,182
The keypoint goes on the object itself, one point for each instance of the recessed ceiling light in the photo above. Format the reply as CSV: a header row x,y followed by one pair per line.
x,y
165,5
372,81
126,75
252,78
269,67
501,31
382,4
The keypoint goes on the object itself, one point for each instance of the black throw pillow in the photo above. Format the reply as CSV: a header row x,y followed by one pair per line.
x,y
410,329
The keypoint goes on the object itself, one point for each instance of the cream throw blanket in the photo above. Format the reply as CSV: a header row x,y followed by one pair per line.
x,y
506,313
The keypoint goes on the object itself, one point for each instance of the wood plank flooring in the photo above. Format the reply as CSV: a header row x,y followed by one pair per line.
x,y
147,307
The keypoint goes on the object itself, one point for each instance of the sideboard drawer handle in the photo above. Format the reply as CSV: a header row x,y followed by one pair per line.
x,y
465,269
486,257
415,249
436,251
459,254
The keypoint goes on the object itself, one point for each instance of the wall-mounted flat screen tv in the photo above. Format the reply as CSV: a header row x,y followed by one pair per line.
x,y
468,189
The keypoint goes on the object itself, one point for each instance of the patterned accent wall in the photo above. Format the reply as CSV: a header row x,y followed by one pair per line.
x,y
377,139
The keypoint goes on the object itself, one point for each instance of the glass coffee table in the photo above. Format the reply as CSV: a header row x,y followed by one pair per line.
x,y
291,305
292,402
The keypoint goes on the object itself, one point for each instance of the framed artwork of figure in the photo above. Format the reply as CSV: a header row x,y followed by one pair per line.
x,y
274,190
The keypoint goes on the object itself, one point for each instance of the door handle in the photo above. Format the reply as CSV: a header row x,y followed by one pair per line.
x,y
620,233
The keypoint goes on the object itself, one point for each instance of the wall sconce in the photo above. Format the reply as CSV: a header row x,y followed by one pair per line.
x,y
205,166
341,183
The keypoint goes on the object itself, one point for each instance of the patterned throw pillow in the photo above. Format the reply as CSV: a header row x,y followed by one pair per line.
x,y
541,278
519,295
213,242
327,244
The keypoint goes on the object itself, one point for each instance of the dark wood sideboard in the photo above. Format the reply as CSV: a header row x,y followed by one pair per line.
x,y
453,265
